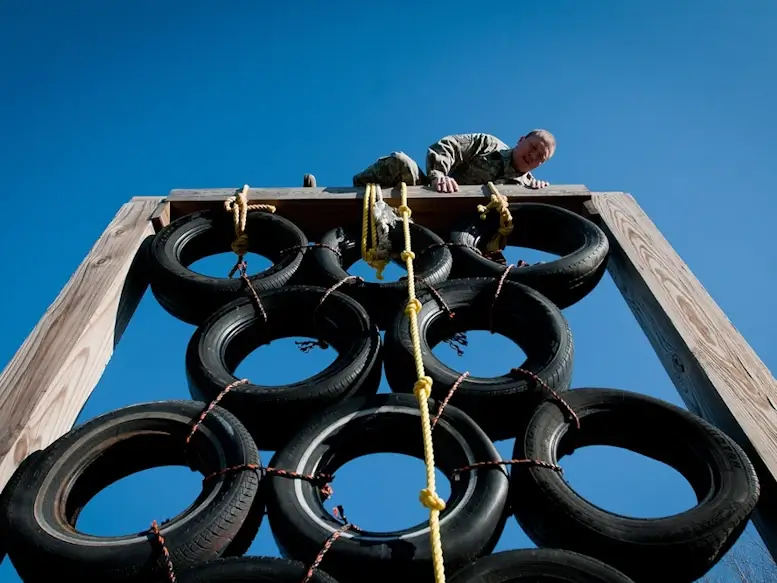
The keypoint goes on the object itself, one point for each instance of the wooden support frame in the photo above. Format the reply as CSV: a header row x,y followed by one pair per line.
x,y
718,375
46,384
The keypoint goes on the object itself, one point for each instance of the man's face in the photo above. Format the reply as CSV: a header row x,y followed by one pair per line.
x,y
529,153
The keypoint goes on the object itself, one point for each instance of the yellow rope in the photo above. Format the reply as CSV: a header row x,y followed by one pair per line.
x,y
239,207
498,202
422,391
369,255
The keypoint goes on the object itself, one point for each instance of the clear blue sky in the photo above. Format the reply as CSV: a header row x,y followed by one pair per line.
x,y
673,102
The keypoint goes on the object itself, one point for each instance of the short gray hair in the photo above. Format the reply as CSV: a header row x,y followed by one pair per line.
x,y
546,137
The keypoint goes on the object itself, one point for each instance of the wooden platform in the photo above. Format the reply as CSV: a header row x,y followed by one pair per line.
x,y
717,373
310,208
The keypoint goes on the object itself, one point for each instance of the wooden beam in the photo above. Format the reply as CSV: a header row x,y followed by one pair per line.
x,y
718,375
310,208
357,192
160,218
48,381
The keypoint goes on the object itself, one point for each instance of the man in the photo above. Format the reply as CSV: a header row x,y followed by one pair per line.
x,y
467,159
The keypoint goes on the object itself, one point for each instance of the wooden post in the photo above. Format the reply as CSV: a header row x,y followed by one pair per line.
x,y
716,372
48,381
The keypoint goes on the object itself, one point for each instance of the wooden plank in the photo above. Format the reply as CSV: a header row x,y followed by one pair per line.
x,y
316,210
351,192
160,216
48,381
716,372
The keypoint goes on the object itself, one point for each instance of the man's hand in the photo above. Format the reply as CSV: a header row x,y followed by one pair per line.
x,y
537,184
445,184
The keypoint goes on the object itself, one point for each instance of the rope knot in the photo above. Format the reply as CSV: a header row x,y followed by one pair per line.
x,y
405,255
405,210
240,244
422,388
498,202
431,500
413,306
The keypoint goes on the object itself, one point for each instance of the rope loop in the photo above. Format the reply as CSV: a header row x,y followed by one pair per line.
x,y
239,207
371,255
498,202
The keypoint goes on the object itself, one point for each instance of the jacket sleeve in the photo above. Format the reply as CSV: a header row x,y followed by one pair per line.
x,y
445,155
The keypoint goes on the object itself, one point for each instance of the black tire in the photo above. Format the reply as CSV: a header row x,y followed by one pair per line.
x,y
273,414
223,520
536,566
500,405
18,477
252,570
470,525
326,268
582,246
192,297
673,549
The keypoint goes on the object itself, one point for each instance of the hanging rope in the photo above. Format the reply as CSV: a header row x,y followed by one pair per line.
x,y
498,202
239,207
369,228
422,391
385,219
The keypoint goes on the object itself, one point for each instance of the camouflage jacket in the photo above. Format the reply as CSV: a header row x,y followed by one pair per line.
x,y
474,159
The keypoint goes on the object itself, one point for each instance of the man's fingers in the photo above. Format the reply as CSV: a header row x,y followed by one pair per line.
x,y
446,184
539,184
442,185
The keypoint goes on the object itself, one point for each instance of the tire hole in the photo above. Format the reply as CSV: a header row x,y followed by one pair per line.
x,y
515,254
219,264
379,492
392,272
484,355
130,505
282,362
608,477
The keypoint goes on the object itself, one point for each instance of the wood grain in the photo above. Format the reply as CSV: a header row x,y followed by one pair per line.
x,y
316,210
718,375
47,382
353,192
160,218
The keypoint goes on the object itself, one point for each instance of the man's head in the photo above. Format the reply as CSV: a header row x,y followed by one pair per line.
x,y
533,150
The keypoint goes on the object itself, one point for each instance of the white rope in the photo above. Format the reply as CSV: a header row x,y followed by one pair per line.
x,y
385,220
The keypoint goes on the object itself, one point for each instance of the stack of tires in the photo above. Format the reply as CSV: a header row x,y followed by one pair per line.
x,y
317,425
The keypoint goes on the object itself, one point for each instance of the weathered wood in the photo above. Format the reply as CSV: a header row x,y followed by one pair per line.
x,y
48,381
716,372
160,218
316,210
352,192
